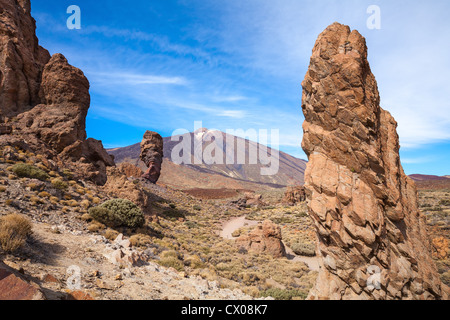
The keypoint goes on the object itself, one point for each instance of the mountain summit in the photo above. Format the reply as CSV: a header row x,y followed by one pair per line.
x,y
230,172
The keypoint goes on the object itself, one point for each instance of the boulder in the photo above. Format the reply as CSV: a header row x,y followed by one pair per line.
x,y
265,238
249,200
14,287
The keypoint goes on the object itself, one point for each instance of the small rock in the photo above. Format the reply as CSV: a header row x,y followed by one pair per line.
x,y
78,295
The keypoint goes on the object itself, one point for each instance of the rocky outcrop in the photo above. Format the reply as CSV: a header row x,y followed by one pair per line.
x,y
265,238
44,100
294,195
249,200
152,153
14,287
130,170
119,186
22,59
372,238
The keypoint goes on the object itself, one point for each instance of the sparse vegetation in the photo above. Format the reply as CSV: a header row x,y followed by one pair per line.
x,y
283,294
172,262
140,240
59,184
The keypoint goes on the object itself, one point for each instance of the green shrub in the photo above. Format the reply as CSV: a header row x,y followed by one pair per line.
x,y
304,249
283,294
24,170
118,213
197,208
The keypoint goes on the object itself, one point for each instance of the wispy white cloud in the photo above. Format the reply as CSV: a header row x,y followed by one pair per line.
x,y
240,64
418,160
135,79
237,114
406,56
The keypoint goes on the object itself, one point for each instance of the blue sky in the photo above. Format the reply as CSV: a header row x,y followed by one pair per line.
x,y
162,64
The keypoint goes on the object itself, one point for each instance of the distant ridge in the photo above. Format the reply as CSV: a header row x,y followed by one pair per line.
x,y
422,177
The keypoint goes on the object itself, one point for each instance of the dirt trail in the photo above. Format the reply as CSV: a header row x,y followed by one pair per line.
x,y
237,223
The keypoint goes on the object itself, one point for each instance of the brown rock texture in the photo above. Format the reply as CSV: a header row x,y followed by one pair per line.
x,y
294,195
152,153
44,100
440,248
364,207
13,287
265,238
130,170
119,186
22,60
249,200
79,295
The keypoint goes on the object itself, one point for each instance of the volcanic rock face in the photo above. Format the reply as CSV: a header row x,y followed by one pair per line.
x,y
372,237
44,100
152,153
21,58
266,238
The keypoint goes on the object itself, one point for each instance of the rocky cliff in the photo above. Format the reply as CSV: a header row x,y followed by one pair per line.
x,y
44,100
372,238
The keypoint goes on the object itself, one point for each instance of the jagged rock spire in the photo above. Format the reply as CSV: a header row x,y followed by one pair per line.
x,y
372,237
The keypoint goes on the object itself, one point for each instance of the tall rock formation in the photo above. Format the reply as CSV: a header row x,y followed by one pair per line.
x,y
44,100
22,59
152,153
372,237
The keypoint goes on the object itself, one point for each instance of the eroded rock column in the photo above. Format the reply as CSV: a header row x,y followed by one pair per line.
x,y
152,153
372,238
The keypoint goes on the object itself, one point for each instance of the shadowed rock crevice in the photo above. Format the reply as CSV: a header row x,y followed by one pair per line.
x,y
363,205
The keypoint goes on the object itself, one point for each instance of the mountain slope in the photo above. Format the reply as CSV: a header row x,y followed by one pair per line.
x,y
291,170
423,177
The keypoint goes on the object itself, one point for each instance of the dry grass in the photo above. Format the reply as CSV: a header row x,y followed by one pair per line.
x,y
14,231
140,240
111,234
